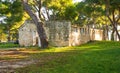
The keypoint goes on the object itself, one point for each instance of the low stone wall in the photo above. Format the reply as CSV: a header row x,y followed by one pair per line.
x,y
96,34
79,35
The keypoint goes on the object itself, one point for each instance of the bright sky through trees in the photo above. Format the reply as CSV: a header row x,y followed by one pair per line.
x,y
77,1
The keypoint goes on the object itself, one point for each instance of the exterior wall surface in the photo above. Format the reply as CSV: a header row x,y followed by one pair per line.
x,y
27,34
59,33
79,36
96,34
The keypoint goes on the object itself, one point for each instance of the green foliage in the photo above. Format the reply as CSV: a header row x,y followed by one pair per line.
x,y
61,9
92,12
94,57
111,11
71,13
12,11
112,5
15,12
8,45
2,34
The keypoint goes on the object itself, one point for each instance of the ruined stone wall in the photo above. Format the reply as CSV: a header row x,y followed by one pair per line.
x,y
79,35
58,32
96,34
61,33
27,34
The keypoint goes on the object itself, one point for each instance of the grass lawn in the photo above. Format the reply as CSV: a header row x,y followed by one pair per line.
x,y
8,45
94,57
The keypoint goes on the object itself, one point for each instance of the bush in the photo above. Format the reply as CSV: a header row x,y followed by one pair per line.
x,y
8,45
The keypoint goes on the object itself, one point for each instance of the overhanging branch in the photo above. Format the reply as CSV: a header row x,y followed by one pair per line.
x,y
118,15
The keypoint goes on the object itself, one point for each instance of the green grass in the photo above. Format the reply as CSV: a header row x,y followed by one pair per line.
x,y
94,57
8,45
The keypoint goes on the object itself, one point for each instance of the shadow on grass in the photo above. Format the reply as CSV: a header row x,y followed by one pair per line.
x,y
95,57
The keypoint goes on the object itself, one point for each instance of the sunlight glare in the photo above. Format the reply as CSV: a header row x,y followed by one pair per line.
x,y
77,1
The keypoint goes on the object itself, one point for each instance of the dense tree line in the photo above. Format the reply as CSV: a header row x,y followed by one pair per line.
x,y
88,12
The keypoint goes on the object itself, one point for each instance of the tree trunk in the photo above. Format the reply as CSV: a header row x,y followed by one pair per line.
x,y
115,30
8,38
112,35
39,25
106,32
113,21
117,33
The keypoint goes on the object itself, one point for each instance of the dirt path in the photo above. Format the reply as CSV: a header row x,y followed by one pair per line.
x,y
8,66
12,59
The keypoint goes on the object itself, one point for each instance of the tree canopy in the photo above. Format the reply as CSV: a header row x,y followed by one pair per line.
x,y
12,15
87,12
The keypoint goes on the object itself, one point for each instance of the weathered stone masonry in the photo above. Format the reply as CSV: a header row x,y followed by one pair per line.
x,y
59,33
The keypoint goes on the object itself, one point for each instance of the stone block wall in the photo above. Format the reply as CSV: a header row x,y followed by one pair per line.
x,y
79,35
96,34
28,34
58,32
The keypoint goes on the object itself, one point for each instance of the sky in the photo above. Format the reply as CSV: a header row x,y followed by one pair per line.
x,y
77,0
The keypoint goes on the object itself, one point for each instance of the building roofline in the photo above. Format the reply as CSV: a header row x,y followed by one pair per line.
x,y
26,21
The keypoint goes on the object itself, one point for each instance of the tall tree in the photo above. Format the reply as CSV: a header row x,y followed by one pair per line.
x,y
12,11
38,21
113,14
59,9
88,13
112,9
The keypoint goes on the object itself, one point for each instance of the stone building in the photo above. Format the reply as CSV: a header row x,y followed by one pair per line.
x,y
59,33
28,35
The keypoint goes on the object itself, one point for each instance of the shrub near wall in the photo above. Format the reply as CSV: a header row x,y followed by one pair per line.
x,y
8,45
